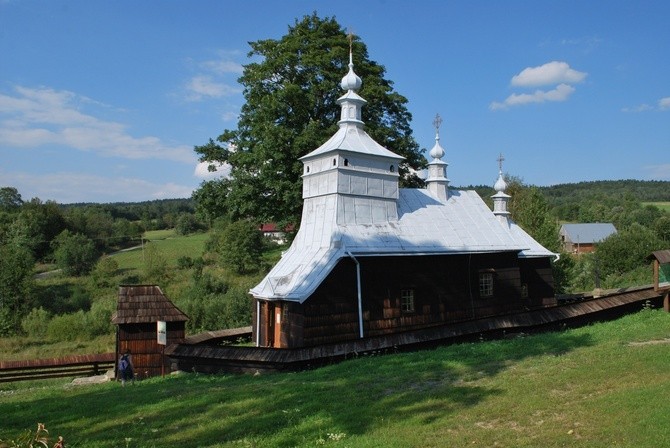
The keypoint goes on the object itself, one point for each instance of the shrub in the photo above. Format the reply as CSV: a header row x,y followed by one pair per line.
x,y
184,262
36,322
155,265
186,223
67,327
98,319
104,273
627,250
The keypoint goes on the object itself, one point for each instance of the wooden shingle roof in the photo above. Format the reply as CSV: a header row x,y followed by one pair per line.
x,y
663,256
145,304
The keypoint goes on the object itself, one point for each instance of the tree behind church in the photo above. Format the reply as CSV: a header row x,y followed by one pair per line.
x,y
290,110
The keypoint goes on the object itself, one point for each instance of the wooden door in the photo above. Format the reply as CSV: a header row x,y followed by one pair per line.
x,y
277,326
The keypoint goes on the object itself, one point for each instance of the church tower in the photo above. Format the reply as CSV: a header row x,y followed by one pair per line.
x,y
351,173
501,199
437,182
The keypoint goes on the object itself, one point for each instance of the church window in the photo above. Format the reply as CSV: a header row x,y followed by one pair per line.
x,y
392,169
524,291
346,162
307,169
407,300
486,284
334,162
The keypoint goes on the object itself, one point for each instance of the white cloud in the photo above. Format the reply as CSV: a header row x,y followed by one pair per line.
x,y
554,72
560,93
640,108
213,79
33,117
202,170
73,187
663,104
203,86
222,66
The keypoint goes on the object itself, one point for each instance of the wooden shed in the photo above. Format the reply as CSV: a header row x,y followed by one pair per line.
x,y
660,262
139,308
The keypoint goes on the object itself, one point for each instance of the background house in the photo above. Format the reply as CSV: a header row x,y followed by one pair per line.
x,y
582,238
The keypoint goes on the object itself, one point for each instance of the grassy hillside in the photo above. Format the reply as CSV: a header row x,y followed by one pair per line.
x,y
599,386
661,205
170,245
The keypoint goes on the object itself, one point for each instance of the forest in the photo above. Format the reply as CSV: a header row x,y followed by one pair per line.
x,y
58,280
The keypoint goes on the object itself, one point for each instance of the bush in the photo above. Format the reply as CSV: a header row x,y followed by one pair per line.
x,y
36,322
184,262
155,265
98,319
186,223
212,305
67,327
627,250
104,273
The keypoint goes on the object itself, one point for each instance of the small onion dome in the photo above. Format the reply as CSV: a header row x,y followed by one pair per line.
x,y
351,81
437,152
500,184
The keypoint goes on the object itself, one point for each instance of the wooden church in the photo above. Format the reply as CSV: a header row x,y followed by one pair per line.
x,y
372,259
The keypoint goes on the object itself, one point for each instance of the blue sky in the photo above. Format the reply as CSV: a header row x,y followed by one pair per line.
x,y
103,101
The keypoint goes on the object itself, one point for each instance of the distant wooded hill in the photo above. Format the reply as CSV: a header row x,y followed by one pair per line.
x,y
638,190
557,195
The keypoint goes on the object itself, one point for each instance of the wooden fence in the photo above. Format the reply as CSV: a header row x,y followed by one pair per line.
x,y
39,369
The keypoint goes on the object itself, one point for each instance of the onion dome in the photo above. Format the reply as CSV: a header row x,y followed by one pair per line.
x,y
351,81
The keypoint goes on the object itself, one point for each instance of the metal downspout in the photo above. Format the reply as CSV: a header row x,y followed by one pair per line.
x,y
258,323
360,299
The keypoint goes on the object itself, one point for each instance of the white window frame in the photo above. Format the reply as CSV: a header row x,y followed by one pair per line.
x,y
486,284
407,301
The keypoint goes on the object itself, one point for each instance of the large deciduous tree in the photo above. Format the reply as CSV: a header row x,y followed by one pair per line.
x,y
74,253
290,110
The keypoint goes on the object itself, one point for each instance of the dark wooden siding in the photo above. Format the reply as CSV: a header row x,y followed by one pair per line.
x,y
141,340
446,289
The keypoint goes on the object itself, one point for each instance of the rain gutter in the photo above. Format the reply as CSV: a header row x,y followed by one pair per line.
x,y
360,299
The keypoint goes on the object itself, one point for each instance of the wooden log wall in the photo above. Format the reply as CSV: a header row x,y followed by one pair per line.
x,y
142,342
446,289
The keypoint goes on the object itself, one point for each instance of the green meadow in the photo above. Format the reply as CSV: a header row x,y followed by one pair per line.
x,y
603,385
661,205
170,246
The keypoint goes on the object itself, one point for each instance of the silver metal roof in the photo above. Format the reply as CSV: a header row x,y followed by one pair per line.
x,y
353,138
357,210
464,224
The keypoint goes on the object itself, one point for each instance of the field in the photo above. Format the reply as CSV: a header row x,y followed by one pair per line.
x,y
661,205
167,243
603,385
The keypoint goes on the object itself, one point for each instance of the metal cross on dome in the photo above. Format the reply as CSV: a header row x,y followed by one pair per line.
x,y
437,122
350,36
500,160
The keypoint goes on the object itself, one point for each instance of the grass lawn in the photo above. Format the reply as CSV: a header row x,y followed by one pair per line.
x,y
662,205
603,385
170,246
